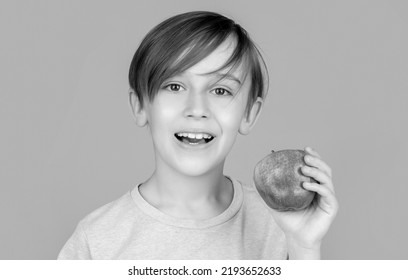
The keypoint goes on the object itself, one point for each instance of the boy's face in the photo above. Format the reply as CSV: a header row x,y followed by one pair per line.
x,y
195,117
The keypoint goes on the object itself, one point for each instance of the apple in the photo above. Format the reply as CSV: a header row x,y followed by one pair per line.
x,y
278,179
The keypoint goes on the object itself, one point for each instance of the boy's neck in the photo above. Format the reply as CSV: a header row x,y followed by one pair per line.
x,y
192,197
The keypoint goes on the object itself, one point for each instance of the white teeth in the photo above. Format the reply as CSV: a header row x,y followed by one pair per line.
x,y
195,135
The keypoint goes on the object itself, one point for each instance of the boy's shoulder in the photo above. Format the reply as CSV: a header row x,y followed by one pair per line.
x,y
252,202
247,187
117,212
250,192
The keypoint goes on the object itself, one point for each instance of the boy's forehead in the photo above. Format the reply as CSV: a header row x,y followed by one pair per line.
x,y
214,63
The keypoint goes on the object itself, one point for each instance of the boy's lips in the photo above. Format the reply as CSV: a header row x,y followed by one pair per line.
x,y
194,137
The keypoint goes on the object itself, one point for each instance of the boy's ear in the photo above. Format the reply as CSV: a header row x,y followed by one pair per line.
x,y
249,120
139,114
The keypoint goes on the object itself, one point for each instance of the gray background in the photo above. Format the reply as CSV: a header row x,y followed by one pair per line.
x,y
69,145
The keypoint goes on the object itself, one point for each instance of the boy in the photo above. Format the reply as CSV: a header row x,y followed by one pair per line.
x,y
197,80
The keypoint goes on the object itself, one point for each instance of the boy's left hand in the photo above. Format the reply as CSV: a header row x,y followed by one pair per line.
x,y
307,227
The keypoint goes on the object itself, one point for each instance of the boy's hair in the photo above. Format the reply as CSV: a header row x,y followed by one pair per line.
x,y
181,41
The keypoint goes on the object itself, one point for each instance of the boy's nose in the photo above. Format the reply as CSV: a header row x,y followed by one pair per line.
x,y
197,106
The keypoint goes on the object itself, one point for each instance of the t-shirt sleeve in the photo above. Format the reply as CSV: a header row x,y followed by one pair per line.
x,y
76,248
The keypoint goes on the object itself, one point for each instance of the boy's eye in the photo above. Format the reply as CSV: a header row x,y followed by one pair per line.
x,y
221,91
174,87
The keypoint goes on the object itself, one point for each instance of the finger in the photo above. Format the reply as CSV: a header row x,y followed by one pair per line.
x,y
312,152
318,163
318,175
327,201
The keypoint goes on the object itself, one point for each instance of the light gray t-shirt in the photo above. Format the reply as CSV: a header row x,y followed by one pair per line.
x,y
130,228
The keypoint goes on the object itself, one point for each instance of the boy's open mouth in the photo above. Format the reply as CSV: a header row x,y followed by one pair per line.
x,y
194,138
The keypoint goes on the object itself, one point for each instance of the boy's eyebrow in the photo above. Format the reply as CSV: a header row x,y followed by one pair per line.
x,y
223,76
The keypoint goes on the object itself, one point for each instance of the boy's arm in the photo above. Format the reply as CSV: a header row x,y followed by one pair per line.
x,y
76,248
297,252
